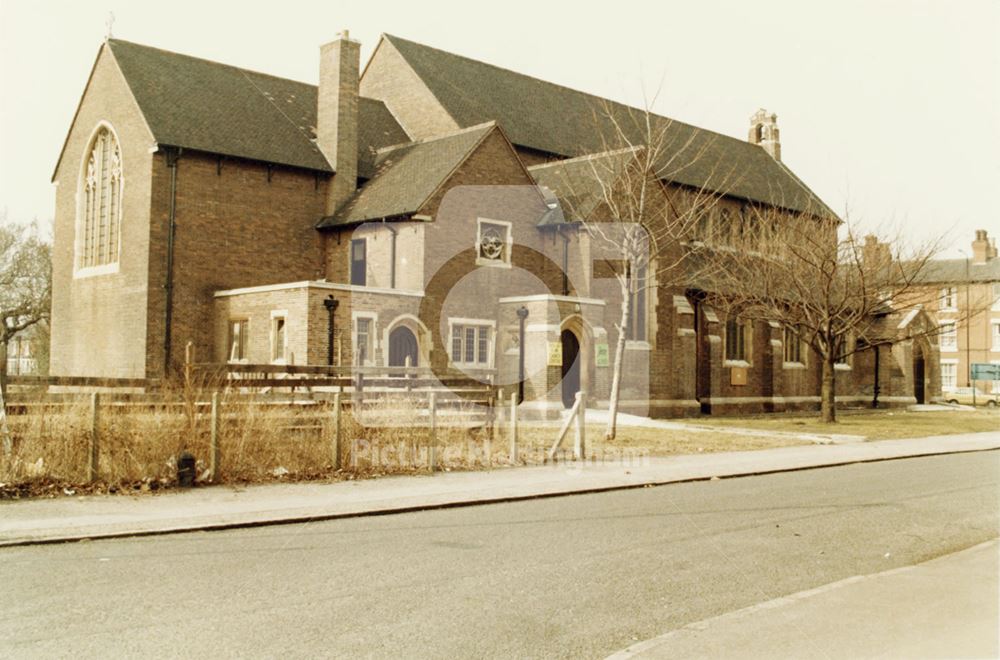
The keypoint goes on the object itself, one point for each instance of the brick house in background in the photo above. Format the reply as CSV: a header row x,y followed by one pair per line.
x,y
963,297
399,214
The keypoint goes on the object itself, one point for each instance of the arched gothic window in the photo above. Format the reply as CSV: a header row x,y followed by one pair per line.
x,y
102,202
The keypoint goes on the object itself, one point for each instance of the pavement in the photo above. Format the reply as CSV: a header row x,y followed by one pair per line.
x,y
29,522
944,608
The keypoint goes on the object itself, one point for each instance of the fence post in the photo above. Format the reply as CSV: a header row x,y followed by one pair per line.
x,y
432,450
336,431
95,400
188,362
513,427
580,446
214,445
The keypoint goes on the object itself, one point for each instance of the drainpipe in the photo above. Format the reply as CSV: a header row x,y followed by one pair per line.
x,y
565,265
331,306
392,257
172,155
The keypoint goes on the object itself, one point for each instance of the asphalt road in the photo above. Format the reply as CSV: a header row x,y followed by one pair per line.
x,y
579,576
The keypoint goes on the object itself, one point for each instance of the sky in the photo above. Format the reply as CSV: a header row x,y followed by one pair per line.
x,y
888,109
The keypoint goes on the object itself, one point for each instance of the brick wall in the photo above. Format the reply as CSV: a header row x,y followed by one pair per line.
x,y
98,321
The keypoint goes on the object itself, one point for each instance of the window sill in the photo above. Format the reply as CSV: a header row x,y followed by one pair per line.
x,y
636,345
95,271
793,365
948,349
840,366
737,363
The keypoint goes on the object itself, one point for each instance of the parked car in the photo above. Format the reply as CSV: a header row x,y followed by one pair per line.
x,y
963,395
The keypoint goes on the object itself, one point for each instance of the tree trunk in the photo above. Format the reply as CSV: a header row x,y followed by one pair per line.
x,y
828,391
4,431
3,370
616,374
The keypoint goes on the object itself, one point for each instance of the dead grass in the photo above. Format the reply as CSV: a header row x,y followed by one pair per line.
x,y
875,425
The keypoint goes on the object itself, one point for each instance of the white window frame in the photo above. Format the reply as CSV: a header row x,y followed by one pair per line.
x,y
948,300
373,343
491,334
948,341
951,362
508,248
995,335
245,339
79,239
272,339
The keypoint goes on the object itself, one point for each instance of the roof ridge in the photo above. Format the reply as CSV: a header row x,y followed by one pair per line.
x,y
577,159
435,138
208,61
571,89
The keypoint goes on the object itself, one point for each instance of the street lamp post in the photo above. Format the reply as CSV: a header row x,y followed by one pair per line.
x,y
331,306
522,314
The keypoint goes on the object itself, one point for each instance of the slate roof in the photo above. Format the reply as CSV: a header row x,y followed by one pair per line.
x,y
562,121
953,270
407,175
208,106
576,183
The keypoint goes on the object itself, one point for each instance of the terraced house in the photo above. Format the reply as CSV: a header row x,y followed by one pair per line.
x,y
406,213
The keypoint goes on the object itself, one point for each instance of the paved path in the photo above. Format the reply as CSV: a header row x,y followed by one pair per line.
x,y
573,577
66,518
945,608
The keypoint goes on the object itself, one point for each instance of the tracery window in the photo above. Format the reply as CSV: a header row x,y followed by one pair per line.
x,y
102,203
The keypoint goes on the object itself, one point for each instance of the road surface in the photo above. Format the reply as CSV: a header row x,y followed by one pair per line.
x,y
578,576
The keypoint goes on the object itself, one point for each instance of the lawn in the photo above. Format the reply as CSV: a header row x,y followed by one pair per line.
x,y
875,425
652,441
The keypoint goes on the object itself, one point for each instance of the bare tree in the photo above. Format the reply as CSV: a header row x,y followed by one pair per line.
x,y
828,286
25,287
623,198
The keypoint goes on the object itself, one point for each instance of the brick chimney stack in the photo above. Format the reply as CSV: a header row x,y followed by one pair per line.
x,y
875,253
983,248
337,115
764,132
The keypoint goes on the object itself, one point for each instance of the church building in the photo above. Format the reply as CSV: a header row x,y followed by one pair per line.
x,y
407,213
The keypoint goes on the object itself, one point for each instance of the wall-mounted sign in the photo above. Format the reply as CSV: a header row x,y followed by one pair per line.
x,y
602,357
738,376
985,371
555,354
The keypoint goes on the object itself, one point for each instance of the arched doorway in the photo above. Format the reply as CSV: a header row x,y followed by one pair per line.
x,y
402,345
918,373
570,367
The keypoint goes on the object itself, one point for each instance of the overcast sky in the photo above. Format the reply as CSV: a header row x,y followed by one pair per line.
x,y
887,107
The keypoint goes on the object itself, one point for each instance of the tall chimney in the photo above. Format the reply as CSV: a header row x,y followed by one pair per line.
x,y
764,132
983,249
337,116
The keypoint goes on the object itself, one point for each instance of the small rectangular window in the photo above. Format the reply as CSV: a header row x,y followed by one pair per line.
x,y
949,373
793,345
638,290
736,347
363,341
470,344
359,261
278,339
949,337
238,340
948,299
